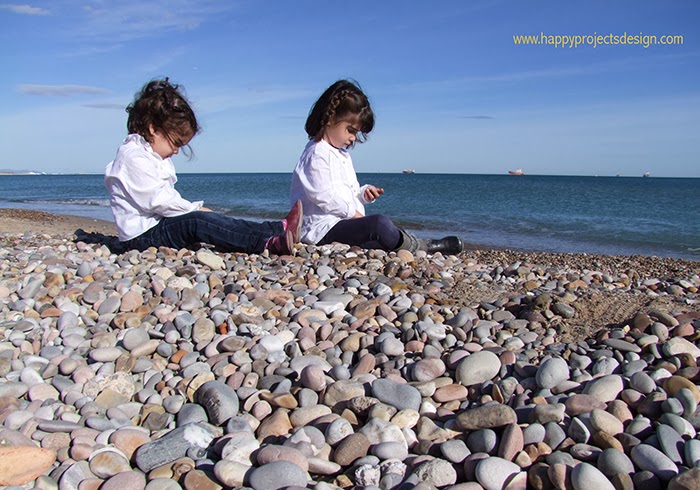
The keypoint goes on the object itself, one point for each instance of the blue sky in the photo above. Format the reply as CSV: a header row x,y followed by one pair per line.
x,y
451,91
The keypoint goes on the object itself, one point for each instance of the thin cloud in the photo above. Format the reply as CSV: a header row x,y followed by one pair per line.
x,y
218,102
120,107
23,9
130,20
475,117
60,90
612,66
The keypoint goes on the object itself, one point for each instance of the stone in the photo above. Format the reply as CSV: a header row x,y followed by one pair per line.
x,y
493,473
219,400
671,443
511,442
199,480
612,461
649,458
107,462
271,453
133,480
603,421
551,372
486,417
477,368
351,448
585,476
210,259
22,464
454,450
688,480
231,473
277,475
437,471
401,396
174,445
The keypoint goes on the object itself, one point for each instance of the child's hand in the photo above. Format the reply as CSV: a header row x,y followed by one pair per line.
x,y
372,192
205,209
358,215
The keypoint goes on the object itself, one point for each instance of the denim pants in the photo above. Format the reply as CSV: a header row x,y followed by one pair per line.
x,y
226,233
374,231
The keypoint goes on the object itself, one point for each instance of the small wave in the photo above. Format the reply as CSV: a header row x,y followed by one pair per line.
x,y
73,202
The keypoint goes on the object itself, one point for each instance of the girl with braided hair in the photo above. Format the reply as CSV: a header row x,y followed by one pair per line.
x,y
150,212
324,180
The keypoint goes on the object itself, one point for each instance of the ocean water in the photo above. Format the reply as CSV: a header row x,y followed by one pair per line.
x,y
608,215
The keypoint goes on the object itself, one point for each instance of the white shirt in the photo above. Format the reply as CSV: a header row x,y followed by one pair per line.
x,y
325,181
141,188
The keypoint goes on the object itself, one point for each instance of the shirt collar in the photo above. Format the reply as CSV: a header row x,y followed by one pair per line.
x,y
141,141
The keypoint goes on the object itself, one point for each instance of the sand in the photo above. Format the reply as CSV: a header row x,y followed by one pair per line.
x,y
14,221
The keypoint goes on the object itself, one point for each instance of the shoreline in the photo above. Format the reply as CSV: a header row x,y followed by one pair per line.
x,y
16,220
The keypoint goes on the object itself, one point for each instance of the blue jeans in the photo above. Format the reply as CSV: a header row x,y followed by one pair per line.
x,y
226,233
374,231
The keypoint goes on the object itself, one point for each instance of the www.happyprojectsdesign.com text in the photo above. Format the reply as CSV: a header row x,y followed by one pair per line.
x,y
595,40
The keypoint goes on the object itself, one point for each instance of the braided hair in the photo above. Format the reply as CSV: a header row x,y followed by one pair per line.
x,y
341,101
161,107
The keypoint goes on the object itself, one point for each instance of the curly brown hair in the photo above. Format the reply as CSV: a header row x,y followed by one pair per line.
x,y
341,101
161,107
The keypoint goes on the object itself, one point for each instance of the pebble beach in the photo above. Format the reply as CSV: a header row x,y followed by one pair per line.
x,y
340,367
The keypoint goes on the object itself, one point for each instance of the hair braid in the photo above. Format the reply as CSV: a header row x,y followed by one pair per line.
x,y
342,100
329,115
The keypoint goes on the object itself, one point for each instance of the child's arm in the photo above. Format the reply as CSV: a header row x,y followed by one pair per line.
x,y
316,178
368,193
151,192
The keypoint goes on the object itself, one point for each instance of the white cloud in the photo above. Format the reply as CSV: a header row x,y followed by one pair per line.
x,y
236,98
23,9
105,105
595,68
128,20
60,90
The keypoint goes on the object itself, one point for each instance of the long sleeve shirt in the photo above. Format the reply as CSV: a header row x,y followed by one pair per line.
x,y
141,188
325,181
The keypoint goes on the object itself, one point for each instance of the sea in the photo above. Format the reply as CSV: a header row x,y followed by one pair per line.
x,y
595,215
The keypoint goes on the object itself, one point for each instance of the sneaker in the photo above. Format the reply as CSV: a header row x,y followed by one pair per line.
x,y
281,244
293,221
449,245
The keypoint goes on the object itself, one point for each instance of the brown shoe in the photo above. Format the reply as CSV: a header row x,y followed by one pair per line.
x,y
281,244
293,219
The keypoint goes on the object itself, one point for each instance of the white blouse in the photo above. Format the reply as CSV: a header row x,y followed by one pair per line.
x,y
141,188
325,181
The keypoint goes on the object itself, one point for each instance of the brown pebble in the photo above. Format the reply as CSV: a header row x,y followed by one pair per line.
x,y
604,441
277,424
450,392
538,477
199,480
22,464
579,404
511,442
352,447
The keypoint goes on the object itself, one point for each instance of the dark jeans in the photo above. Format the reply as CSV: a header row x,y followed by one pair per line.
x,y
227,234
374,231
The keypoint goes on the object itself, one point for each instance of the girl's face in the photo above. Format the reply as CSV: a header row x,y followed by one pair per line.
x,y
341,134
163,145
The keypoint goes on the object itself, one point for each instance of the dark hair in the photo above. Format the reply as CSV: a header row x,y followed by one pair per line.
x,y
162,107
342,100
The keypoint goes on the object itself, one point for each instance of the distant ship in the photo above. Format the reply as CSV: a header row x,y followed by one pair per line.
x,y
517,171
646,174
409,171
